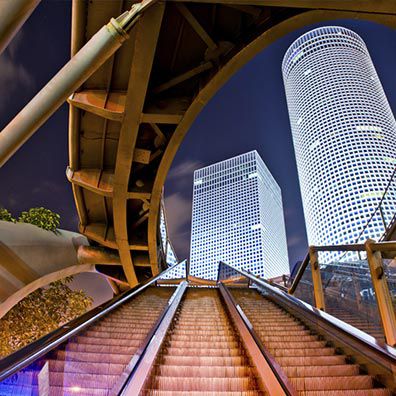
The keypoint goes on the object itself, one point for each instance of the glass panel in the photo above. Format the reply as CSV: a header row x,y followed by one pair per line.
x,y
304,290
22,383
179,272
229,275
349,293
390,274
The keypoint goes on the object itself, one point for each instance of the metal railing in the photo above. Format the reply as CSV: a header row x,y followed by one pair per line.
x,y
30,353
368,280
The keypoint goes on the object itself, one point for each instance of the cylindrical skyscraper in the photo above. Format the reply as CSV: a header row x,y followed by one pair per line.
x,y
344,134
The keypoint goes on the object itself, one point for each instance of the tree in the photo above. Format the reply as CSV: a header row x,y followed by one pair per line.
x,y
41,217
39,313
5,215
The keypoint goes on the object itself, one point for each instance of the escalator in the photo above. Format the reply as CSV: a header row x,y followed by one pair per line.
x,y
312,364
206,340
203,353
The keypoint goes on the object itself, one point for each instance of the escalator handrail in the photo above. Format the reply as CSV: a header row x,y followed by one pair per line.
x,y
384,350
31,352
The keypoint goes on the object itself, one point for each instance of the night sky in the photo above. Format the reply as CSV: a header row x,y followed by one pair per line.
x,y
249,112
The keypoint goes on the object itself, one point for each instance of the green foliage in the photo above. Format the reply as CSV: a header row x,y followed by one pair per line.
x,y
41,217
41,312
5,215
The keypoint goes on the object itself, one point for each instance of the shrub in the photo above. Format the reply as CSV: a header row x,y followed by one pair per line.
x,y
41,217
5,215
39,313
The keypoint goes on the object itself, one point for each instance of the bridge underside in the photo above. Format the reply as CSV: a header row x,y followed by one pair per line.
x,y
129,118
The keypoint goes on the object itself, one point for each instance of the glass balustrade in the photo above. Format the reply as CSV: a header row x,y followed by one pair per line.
x,y
349,294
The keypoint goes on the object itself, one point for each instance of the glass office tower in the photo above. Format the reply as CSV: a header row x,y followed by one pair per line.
x,y
237,217
344,135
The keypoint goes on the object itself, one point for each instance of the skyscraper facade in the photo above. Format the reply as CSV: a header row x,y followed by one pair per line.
x,y
344,135
237,217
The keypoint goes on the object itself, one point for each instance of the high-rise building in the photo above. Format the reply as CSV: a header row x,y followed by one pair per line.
x,y
344,135
237,217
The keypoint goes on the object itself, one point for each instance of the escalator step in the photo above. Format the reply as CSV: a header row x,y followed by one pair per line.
x,y
361,392
322,371
203,393
203,360
333,383
203,384
311,360
82,380
86,367
202,371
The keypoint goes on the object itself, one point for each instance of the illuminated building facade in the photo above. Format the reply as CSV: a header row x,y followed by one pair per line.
x,y
237,218
344,135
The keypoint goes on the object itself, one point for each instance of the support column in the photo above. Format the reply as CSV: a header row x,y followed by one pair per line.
x,y
382,295
316,279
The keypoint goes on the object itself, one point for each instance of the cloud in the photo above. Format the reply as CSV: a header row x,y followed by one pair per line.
x,y
13,75
289,212
185,169
294,240
49,187
12,200
178,215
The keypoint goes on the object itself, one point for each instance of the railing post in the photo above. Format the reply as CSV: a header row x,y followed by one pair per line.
x,y
187,268
316,279
382,294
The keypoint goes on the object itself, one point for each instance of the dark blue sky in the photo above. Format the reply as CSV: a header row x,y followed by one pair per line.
x,y
249,112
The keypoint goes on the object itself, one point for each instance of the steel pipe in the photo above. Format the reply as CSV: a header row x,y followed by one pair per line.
x,y
95,52
13,14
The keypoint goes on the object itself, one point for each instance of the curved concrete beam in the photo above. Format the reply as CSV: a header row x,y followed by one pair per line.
x,y
14,299
31,258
